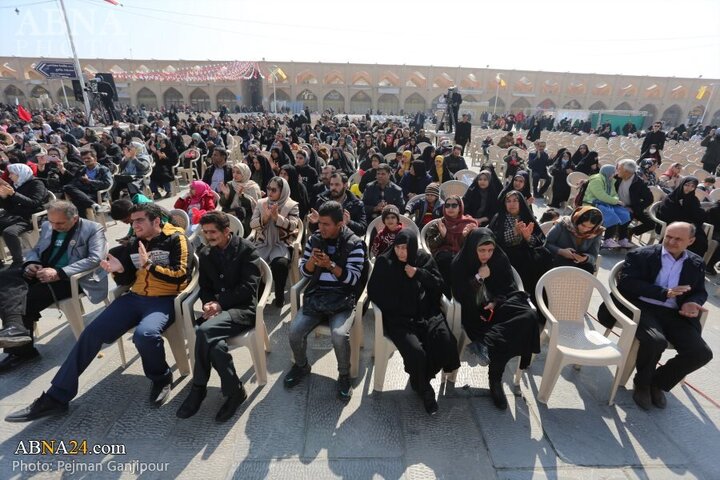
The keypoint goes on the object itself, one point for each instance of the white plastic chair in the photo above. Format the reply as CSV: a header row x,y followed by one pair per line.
x,y
547,226
569,291
255,339
181,219
453,187
422,238
657,193
714,196
175,333
356,332
573,180
632,356
72,307
466,176
376,224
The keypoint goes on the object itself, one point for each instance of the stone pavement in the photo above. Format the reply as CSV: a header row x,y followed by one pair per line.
x,y
307,433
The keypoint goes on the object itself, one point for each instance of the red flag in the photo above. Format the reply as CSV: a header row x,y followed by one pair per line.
x,y
113,2
24,114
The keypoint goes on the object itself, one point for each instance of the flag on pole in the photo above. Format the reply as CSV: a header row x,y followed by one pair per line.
x,y
23,114
113,2
701,92
278,72
500,81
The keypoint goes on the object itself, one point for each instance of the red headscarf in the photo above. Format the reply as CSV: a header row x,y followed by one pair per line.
x,y
455,226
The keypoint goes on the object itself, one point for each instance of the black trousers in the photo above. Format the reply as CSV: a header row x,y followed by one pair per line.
x,y
658,326
280,267
80,199
646,224
536,177
444,263
425,348
11,227
211,351
24,309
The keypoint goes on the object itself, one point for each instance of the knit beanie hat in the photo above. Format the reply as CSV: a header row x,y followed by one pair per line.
x,y
433,189
390,210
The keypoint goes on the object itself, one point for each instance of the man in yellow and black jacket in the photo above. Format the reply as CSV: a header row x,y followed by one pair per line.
x,y
156,263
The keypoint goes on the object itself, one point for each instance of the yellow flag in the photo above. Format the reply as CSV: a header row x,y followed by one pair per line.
x,y
499,80
701,92
502,82
279,74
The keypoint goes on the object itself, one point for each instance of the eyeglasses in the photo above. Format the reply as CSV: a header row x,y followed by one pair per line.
x,y
452,205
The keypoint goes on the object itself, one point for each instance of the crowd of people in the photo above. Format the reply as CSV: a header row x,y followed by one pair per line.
x,y
321,185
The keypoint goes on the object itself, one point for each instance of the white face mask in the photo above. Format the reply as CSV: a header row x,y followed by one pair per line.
x,y
652,150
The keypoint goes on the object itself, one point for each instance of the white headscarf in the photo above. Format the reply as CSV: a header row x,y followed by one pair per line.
x,y
23,172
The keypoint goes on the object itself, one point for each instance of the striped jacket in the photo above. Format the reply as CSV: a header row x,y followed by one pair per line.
x,y
347,251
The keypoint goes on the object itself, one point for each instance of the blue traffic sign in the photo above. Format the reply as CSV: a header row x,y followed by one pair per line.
x,y
56,69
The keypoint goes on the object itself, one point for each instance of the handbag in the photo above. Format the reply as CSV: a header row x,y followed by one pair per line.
x,y
326,302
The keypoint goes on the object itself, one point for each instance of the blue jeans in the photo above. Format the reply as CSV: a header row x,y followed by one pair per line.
x,y
149,315
613,214
340,325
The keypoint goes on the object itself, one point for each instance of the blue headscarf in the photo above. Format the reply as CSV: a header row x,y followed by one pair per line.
x,y
608,171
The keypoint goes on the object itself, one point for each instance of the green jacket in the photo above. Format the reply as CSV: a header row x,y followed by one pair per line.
x,y
597,191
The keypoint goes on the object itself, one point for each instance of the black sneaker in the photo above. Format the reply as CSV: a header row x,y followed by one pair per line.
x,y
192,403
498,395
161,390
44,406
12,360
14,336
344,387
231,405
296,374
431,405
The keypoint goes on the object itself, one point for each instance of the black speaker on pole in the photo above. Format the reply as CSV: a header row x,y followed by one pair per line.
x,y
77,90
108,77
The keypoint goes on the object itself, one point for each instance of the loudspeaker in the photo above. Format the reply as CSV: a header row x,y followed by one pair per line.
x,y
108,77
77,90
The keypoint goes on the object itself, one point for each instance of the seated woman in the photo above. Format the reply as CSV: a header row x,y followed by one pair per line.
x,y
133,167
404,162
601,193
496,316
445,237
439,172
385,236
405,285
560,169
681,205
481,198
423,210
19,199
199,200
521,238
575,241
589,164
513,163
428,156
261,171
647,171
671,178
520,183
239,197
275,222
165,157
370,174
298,192
416,180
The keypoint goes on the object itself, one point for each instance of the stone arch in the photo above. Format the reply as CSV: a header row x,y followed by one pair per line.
x,y
308,99
282,96
173,98
38,91
417,80
550,87
199,100
334,99
116,69
32,74
654,91
360,102
547,104
520,104
11,93
7,71
334,78
470,81
435,103
169,69
573,105
469,98
624,106
696,113
443,80
651,113
500,105
388,79
226,98
598,106
362,79
679,92
388,103
414,103
147,97
672,116
523,85
576,88
629,90
602,89
306,77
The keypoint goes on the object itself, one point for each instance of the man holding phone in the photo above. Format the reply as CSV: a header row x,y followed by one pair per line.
x,y
667,283
81,188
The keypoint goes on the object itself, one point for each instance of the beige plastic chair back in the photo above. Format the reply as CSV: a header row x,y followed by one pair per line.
x,y
422,238
376,224
453,187
714,196
466,176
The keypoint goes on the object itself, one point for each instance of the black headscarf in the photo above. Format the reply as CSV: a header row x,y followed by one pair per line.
x,y
342,163
298,192
497,224
482,202
265,170
428,157
527,193
679,206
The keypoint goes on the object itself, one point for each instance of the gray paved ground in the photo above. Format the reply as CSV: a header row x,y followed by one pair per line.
x,y
307,433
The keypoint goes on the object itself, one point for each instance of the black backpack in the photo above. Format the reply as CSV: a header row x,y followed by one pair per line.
x,y
578,202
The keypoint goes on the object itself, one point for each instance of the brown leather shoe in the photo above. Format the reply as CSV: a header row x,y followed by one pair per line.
x,y
658,397
642,397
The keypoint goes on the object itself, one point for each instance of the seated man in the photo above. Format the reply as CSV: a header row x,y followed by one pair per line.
x,y
67,245
81,188
353,209
133,167
333,261
229,278
155,266
667,283
382,192
219,172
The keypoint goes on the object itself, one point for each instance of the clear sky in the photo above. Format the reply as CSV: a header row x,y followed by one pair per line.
x,y
638,37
